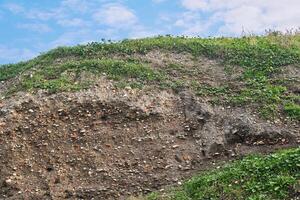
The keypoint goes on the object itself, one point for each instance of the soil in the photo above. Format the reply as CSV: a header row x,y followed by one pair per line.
x,y
109,143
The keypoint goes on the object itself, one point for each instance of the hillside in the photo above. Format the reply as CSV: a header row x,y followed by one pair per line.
x,y
112,120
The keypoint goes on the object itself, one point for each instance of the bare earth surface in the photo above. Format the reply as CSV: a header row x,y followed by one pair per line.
x,y
108,143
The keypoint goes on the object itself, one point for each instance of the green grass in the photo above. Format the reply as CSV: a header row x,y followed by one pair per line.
x,y
255,177
12,70
293,110
211,91
261,57
66,77
261,54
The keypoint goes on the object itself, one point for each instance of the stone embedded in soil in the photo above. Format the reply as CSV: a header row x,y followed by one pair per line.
x,y
87,147
216,149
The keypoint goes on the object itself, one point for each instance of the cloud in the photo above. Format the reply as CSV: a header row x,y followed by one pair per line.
x,y
194,4
74,37
38,14
115,15
76,22
9,55
44,14
36,27
158,1
14,8
76,5
235,16
142,32
120,20
249,20
194,24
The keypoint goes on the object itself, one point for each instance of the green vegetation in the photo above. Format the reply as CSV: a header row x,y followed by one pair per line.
x,y
66,77
271,177
203,90
260,57
293,110
12,70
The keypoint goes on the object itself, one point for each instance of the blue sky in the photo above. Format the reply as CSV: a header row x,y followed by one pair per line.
x,y
29,27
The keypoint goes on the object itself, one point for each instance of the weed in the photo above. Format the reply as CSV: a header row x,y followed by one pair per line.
x,y
254,177
261,57
293,110
66,76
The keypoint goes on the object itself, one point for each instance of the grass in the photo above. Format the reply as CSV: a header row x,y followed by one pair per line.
x,y
203,90
66,77
12,70
255,177
262,57
293,110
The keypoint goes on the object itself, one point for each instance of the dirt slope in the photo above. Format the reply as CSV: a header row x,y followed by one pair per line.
x,y
111,143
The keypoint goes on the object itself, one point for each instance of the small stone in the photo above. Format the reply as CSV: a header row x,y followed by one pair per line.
x,y
8,181
260,142
100,170
82,131
178,158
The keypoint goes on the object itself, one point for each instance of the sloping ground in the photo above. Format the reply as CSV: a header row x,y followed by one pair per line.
x,y
113,120
275,176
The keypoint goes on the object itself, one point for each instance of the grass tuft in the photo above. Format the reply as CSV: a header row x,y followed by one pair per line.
x,y
255,177
66,77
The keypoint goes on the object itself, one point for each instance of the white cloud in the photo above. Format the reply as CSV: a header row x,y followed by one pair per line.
x,y
193,24
76,5
115,15
194,4
109,33
14,8
142,32
36,27
119,18
8,55
252,16
158,1
76,22
74,37
36,14
43,15
39,14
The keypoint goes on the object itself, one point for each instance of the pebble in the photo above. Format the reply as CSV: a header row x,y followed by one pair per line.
x,y
8,181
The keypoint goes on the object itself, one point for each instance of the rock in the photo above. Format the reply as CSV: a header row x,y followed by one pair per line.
x,y
216,149
178,158
196,113
237,130
8,181
271,135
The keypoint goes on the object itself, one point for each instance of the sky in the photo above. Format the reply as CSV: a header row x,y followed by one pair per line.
x,y
30,27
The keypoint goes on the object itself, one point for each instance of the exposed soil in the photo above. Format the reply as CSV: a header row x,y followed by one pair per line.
x,y
108,143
